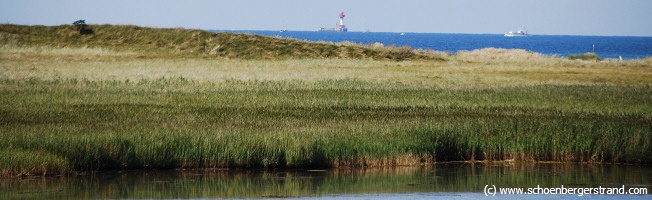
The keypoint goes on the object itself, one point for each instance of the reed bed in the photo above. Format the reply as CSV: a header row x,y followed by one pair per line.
x,y
71,125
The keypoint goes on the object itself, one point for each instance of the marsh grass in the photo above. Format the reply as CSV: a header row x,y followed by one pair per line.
x,y
137,98
30,162
84,125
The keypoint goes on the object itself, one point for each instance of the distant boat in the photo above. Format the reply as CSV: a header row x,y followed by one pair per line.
x,y
518,33
283,29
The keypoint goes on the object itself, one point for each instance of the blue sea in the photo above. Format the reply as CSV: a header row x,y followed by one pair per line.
x,y
553,45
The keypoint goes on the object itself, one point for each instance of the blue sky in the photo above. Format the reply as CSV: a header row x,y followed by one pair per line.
x,y
550,17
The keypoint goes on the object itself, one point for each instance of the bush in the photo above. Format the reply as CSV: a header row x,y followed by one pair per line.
x,y
586,56
83,27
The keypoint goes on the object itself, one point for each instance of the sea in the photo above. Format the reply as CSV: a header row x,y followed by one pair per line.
x,y
613,47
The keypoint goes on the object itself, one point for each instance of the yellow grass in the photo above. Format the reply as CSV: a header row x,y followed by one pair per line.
x,y
478,68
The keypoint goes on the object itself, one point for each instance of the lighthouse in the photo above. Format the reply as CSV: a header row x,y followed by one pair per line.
x,y
341,26
338,27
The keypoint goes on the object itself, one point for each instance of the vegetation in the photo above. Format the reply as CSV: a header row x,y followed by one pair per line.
x,y
171,43
82,27
586,56
137,98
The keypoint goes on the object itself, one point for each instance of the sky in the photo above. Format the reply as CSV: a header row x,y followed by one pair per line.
x,y
545,17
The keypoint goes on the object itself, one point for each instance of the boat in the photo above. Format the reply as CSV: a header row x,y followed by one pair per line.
x,y
283,30
518,33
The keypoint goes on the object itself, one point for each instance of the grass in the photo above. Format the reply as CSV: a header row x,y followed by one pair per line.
x,y
586,56
182,43
79,103
109,125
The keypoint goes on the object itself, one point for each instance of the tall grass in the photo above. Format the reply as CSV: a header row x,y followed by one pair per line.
x,y
131,98
87,125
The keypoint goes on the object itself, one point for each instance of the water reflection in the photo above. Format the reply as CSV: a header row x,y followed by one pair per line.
x,y
440,178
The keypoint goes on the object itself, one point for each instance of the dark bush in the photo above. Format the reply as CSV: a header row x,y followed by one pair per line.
x,y
83,27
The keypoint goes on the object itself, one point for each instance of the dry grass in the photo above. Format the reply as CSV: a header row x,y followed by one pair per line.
x,y
135,53
181,43
486,68
504,55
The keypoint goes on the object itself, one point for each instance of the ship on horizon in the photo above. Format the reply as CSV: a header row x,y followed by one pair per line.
x,y
338,27
518,33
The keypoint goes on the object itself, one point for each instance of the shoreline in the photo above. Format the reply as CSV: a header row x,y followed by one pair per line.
x,y
317,169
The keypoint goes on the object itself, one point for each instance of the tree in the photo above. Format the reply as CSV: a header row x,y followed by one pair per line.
x,y
82,27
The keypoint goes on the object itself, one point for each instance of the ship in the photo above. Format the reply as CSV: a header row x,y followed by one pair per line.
x,y
283,30
338,27
518,33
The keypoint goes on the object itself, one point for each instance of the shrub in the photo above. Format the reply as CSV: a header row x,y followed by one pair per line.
x,y
83,27
585,56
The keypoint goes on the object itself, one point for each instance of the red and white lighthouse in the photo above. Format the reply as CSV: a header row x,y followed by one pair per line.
x,y
338,27
341,27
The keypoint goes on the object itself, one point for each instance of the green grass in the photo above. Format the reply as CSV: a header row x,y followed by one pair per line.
x,y
139,98
31,162
159,124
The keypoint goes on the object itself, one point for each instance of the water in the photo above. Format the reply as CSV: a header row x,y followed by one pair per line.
x,y
552,45
449,181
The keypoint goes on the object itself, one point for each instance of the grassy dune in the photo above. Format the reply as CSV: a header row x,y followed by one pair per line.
x,y
182,43
132,98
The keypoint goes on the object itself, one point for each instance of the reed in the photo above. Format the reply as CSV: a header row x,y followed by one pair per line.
x,y
87,125
19,162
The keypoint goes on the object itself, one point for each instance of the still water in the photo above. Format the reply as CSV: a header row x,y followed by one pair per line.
x,y
440,181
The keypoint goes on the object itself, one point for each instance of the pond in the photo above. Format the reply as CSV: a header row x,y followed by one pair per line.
x,y
447,181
